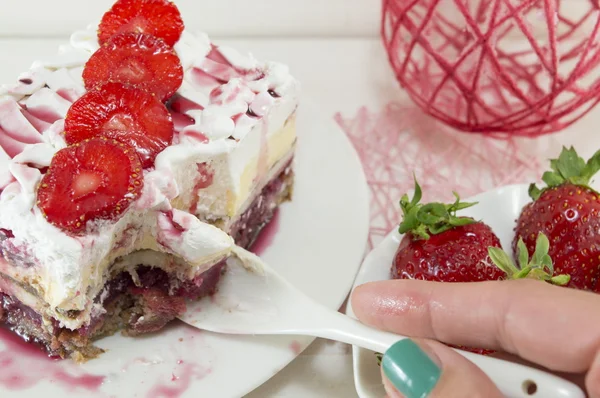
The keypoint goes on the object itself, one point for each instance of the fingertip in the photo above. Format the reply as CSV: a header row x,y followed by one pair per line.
x,y
364,300
361,297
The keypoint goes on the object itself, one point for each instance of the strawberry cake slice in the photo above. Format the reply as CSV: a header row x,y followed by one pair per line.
x,y
132,165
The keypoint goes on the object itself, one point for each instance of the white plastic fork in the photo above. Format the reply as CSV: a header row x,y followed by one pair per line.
x,y
254,300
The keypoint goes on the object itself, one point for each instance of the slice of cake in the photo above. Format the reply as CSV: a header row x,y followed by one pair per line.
x,y
131,165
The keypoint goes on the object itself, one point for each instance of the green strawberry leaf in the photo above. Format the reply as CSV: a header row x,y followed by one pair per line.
x,y
542,245
424,220
592,166
439,228
418,193
538,267
552,179
460,221
570,164
433,213
502,260
568,168
523,254
560,280
534,192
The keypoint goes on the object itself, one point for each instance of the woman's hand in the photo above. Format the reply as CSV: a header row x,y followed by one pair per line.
x,y
555,327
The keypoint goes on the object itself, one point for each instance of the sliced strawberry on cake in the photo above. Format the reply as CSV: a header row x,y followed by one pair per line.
x,y
140,60
94,179
124,113
159,18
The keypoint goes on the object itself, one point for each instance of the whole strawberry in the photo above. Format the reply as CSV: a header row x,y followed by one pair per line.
x,y
567,212
439,246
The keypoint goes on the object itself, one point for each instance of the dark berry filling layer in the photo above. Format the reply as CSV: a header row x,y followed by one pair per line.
x,y
134,308
247,228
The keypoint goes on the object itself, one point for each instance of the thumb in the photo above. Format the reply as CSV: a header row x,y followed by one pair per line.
x,y
425,368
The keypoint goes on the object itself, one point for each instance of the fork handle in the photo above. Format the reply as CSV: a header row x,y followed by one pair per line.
x,y
510,378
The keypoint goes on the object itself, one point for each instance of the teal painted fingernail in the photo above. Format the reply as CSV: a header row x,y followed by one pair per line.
x,y
410,369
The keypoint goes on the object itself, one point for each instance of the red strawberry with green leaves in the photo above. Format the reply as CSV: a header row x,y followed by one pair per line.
x,y
140,60
159,18
440,246
567,211
123,113
95,179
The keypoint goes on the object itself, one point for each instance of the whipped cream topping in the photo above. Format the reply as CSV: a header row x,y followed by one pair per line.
x,y
224,96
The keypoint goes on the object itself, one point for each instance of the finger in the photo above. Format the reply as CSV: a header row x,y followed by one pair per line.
x,y
592,379
421,368
548,325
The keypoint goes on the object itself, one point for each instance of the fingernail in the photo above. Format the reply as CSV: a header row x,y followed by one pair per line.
x,y
410,369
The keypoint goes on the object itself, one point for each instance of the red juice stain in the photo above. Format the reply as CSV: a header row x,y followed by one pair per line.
x,y
7,233
216,55
23,365
266,235
202,79
198,136
204,180
85,381
177,228
236,117
296,347
38,124
11,146
181,380
216,92
181,104
17,347
68,94
181,121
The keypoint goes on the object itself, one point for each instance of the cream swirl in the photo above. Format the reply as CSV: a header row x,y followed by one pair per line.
x,y
227,92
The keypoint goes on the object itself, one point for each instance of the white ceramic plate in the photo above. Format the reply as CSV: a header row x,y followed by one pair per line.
x,y
499,209
318,247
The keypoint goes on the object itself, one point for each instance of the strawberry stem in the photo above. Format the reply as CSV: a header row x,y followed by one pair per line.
x,y
424,220
540,266
568,168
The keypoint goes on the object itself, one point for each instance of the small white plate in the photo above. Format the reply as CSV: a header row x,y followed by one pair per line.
x,y
498,208
318,247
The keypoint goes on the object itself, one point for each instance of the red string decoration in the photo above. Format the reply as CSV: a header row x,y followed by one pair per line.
x,y
400,139
524,67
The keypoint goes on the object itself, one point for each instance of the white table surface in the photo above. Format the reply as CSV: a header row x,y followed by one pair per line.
x,y
339,75
231,18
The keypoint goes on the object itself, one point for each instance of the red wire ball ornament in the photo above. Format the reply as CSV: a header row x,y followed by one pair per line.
x,y
519,67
